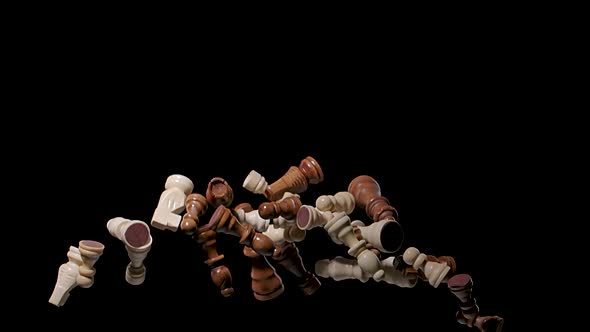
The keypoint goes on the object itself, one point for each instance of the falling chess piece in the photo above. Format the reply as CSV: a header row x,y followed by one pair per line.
x,y
66,278
340,227
196,206
278,235
291,260
341,202
433,271
367,195
219,193
172,202
309,217
90,252
341,268
397,277
387,235
461,285
287,207
245,214
266,284
256,183
223,221
138,242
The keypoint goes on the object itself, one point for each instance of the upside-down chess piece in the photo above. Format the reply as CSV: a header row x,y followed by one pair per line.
x,y
171,203
138,242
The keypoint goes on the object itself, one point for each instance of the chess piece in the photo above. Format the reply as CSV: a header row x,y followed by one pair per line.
x,y
340,227
138,242
287,207
196,206
461,285
290,259
341,268
219,193
245,214
367,195
435,272
395,276
223,221
278,235
66,278
309,217
90,252
341,202
266,284
171,204
295,180
387,235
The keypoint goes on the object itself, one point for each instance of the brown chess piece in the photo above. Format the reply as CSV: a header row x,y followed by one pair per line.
x,y
266,284
286,208
367,195
292,262
219,192
196,206
461,285
296,179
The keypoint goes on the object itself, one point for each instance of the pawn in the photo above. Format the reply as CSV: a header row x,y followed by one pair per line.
x,y
367,195
309,217
196,206
287,207
433,271
387,235
341,202
138,242
90,252
296,179
171,204
66,278
219,193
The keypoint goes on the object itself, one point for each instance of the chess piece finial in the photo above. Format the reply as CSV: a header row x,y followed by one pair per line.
x,y
296,179
309,217
171,203
90,252
387,235
340,227
461,285
367,195
219,193
196,206
66,278
224,221
435,272
340,202
266,284
138,242
287,207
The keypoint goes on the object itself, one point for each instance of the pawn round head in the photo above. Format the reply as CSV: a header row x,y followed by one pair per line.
x,y
410,255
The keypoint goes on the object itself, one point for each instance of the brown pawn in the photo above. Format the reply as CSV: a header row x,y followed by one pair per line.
x,y
266,284
286,208
461,285
367,195
292,262
296,180
219,192
196,206
224,221
220,274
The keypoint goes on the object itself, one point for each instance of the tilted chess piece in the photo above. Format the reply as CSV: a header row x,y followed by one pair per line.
x,y
340,202
386,235
266,284
171,203
138,242
66,278
367,195
309,217
90,252
219,193
435,272
341,268
246,214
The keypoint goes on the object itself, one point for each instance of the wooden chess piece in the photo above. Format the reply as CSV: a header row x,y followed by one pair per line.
x,y
287,207
387,235
309,217
340,202
367,195
196,206
138,242
461,285
290,259
266,284
90,252
66,278
171,203
341,268
289,233
435,272
219,193
246,214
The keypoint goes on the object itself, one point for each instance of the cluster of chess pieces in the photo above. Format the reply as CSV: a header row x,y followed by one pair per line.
x,y
270,233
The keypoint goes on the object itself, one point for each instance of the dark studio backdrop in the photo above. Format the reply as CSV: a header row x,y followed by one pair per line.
x,y
450,185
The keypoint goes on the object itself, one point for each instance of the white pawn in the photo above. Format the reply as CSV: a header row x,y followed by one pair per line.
x,y
341,202
280,235
434,272
66,278
309,217
171,203
385,235
340,227
341,268
396,277
138,242
255,183
254,219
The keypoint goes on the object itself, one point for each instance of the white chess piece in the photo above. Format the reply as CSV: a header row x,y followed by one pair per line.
x,y
341,202
279,235
255,183
396,277
171,203
309,217
341,268
90,252
340,227
66,278
138,242
254,219
385,235
434,272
